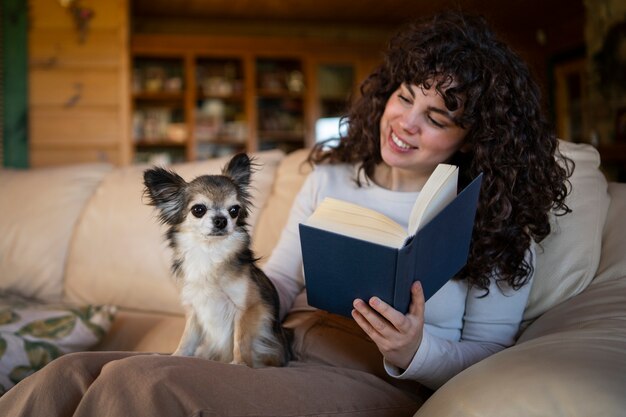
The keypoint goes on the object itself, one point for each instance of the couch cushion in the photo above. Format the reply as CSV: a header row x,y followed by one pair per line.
x,y
568,258
613,259
139,331
33,334
289,179
569,363
40,208
119,255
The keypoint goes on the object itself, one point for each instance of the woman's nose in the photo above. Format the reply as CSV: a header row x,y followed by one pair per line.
x,y
410,122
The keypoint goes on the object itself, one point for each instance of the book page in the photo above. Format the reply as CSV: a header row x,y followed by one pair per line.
x,y
438,192
358,222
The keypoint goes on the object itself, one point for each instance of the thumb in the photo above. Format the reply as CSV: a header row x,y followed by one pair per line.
x,y
417,300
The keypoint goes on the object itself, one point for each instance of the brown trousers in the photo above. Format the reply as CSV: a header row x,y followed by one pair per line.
x,y
337,372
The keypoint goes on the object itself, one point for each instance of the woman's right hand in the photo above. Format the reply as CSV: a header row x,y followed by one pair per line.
x,y
398,336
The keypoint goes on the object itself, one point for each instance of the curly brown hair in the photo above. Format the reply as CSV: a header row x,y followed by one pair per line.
x,y
512,143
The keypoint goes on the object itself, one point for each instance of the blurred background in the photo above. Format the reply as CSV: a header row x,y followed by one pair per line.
x,y
133,81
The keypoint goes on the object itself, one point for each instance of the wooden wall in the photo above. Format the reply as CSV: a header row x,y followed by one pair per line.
x,y
78,90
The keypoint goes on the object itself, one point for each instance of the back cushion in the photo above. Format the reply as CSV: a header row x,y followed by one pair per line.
x,y
568,258
289,179
119,254
613,261
39,209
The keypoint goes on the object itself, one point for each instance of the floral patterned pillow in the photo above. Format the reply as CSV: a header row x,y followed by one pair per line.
x,y
32,335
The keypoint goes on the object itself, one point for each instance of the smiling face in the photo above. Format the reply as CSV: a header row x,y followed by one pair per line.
x,y
417,132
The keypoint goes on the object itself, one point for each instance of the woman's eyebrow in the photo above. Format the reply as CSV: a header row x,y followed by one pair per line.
x,y
442,112
409,88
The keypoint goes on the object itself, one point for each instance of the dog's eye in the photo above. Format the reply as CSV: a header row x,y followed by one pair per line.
x,y
234,211
198,210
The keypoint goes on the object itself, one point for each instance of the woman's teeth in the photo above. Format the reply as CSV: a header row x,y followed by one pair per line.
x,y
399,143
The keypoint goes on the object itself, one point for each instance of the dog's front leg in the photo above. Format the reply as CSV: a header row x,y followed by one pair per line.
x,y
238,343
191,337
243,339
248,325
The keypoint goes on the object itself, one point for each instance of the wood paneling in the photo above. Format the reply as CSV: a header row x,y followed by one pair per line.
x,y
80,127
68,156
74,87
78,90
59,48
109,14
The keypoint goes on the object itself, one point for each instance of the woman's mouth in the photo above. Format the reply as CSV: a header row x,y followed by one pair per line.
x,y
398,144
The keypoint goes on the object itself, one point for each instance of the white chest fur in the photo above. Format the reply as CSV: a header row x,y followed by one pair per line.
x,y
212,291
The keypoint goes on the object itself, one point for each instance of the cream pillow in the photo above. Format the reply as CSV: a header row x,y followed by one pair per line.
x,y
289,179
119,254
40,208
568,258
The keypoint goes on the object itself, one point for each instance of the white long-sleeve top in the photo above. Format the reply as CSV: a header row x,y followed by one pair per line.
x,y
461,327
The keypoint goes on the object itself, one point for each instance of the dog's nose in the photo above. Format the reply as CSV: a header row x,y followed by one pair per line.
x,y
220,222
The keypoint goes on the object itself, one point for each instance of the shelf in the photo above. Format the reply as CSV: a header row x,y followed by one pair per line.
x,y
158,96
158,143
225,97
334,97
281,136
240,98
224,140
158,78
271,94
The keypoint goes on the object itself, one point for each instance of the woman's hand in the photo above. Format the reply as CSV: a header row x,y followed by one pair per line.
x,y
397,336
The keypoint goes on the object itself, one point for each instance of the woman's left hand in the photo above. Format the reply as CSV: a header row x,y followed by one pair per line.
x,y
397,336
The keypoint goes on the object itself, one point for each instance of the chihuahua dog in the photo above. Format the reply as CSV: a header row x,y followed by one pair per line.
x,y
231,306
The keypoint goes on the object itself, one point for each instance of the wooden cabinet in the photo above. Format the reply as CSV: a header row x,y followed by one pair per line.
x,y
221,120
196,97
159,119
280,103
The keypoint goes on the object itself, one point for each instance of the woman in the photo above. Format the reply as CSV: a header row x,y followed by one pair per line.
x,y
448,91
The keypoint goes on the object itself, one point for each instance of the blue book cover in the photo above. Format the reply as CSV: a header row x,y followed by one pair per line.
x,y
338,268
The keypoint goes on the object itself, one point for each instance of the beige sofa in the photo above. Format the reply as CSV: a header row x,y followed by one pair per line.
x,y
82,235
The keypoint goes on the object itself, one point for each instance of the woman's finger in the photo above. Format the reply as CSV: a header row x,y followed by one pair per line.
x,y
417,300
374,320
393,316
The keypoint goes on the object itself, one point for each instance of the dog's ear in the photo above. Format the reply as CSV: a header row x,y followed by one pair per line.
x,y
239,168
166,191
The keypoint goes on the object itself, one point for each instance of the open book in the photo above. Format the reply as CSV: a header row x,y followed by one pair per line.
x,y
362,223
352,252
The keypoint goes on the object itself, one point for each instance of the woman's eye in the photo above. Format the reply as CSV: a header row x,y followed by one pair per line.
x,y
198,210
234,211
404,99
434,122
